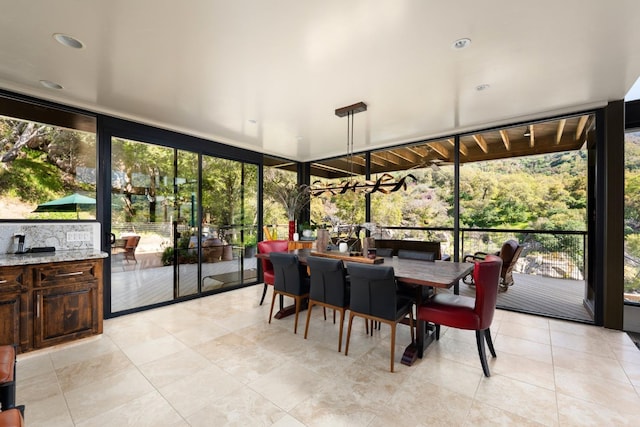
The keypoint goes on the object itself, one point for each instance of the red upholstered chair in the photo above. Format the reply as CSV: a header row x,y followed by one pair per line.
x,y
266,247
11,418
462,312
7,376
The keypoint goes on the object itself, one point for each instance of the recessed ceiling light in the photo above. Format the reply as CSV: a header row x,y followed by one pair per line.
x,y
461,43
50,85
482,87
68,41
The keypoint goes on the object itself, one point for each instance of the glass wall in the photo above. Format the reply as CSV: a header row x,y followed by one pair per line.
x,y
632,218
337,203
427,201
182,224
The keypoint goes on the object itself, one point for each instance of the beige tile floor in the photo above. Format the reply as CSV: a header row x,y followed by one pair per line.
x,y
215,361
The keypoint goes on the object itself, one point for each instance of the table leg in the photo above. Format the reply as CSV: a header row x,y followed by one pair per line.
x,y
425,335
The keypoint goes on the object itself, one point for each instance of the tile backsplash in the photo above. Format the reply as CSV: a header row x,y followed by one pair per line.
x,y
61,235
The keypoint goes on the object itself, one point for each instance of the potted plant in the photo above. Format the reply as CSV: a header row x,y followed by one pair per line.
x,y
307,230
294,198
250,242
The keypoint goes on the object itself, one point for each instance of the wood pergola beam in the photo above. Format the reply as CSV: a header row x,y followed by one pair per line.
x,y
532,136
581,126
463,149
560,130
505,139
481,143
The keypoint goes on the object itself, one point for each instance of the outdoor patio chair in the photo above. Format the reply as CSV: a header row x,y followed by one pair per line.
x,y
130,248
509,253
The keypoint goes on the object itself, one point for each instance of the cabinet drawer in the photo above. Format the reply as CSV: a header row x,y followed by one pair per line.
x,y
12,279
66,273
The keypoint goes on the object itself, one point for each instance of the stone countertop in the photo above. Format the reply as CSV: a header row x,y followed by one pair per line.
x,y
7,260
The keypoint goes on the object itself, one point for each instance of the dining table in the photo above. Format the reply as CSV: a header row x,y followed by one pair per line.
x,y
414,273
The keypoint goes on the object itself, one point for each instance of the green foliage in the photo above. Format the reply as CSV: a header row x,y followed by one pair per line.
x,y
32,180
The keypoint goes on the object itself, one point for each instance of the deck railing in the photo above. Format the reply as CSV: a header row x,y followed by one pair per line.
x,y
559,254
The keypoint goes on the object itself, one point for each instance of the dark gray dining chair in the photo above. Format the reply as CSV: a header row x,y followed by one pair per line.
x,y
328,289
290,280
374,297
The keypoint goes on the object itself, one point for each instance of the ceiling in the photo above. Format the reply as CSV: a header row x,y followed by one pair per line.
x,y
268,76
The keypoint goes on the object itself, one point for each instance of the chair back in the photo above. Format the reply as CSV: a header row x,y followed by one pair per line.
x,y
510,252
328,281
486,275
269,246
373,290
416,255
289,277
384,252
132,243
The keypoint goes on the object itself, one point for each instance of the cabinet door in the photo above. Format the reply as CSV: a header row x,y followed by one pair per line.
x,y
65,313
14,327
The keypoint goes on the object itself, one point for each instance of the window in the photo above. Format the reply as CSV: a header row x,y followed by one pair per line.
x,y
46,155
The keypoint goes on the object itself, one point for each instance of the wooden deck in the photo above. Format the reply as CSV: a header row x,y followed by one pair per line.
x,y
558,298
140,285
143,284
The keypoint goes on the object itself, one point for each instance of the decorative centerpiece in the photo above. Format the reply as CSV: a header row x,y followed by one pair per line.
x,y
294,198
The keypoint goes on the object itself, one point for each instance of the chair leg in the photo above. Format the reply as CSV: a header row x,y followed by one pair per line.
x,y
482,353
273,302
324,311
306,328
346,349
393,343
487,336
298,304
437,332
264,293
341,328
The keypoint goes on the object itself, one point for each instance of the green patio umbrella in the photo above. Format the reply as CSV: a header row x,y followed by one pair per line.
x,y
73,203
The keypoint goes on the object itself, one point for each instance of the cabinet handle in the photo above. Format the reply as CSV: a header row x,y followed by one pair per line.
x,y
38,306
3,282
75,273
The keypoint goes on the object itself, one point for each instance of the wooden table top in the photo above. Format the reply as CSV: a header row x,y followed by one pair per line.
x,y
439,274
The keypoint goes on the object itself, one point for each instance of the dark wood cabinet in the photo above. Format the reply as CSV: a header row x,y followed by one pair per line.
x,y
14,309
48,304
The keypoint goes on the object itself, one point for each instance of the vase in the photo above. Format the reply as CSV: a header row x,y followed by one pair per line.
x,y
292,229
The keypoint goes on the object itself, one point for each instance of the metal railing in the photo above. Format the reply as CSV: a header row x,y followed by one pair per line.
x,y
558,254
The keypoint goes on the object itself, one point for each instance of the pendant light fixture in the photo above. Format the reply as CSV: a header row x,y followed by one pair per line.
x,y
384,184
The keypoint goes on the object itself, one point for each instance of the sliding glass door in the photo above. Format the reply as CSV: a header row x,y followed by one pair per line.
x,y
182,224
